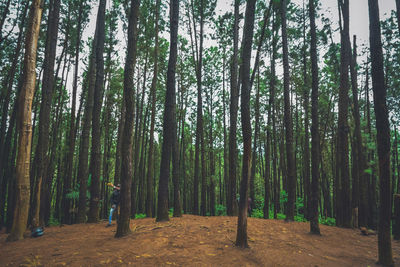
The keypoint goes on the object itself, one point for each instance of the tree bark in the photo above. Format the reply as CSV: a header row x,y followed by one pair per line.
x,y
150,162
291,177
360,185
25,127
73,127
241,237
315,143
383,135
95,159
45,107
169,120
231,208
344,201
126,168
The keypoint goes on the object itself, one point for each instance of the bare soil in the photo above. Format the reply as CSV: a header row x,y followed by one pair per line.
x,y
194,241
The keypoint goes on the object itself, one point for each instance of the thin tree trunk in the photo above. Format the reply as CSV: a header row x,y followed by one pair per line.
x,y
231,202
169,120
306,173
291,177
150,162
241,237
360,189
126,168
25,127
72,129
383,135
95,159
45,108
315,143
343,190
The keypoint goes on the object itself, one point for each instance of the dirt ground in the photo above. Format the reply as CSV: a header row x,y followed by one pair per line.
x,y
194,241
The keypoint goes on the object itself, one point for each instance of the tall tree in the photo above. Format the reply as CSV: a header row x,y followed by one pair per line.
x,y
25,123
4,145
128,96
343,206
95,159
241,236
72,127
150,161
45,107
169,121
382,135
360,181
231,208
291,177
315,143
83,171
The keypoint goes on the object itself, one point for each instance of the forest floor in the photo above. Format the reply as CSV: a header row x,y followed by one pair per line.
x,y
194,241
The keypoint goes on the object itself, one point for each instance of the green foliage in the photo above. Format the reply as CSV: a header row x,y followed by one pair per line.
x,y
53,221
257,213
327,221
140,216
283,197
220,210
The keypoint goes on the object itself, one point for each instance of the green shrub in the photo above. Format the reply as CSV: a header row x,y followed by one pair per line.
x,y
53,221
327,221
140,216
220,210
257,213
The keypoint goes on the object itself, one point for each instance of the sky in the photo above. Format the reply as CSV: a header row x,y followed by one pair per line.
x,y
359,22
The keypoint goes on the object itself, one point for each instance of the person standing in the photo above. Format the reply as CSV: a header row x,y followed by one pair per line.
x,y
115,197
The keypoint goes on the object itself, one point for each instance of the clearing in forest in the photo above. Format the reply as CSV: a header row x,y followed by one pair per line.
x,y
194,241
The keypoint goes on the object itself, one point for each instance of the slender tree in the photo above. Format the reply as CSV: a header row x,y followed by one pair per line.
x,y
291,177
72,132
25,123
169,121
150,161
95,159
241,237
315,143
231,208
382,135
128,96
343,206
45,107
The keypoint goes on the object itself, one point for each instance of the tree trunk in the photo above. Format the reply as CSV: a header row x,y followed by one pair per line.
x,y
360,188
25,127
95,159
231,208
126,168
8,83
73,127
150,162
344,201
241,237
254,156
45,108
315,143
169,120
383,135
306,173
291,177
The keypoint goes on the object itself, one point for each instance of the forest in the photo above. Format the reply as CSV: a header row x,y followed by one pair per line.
x,y
274,112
